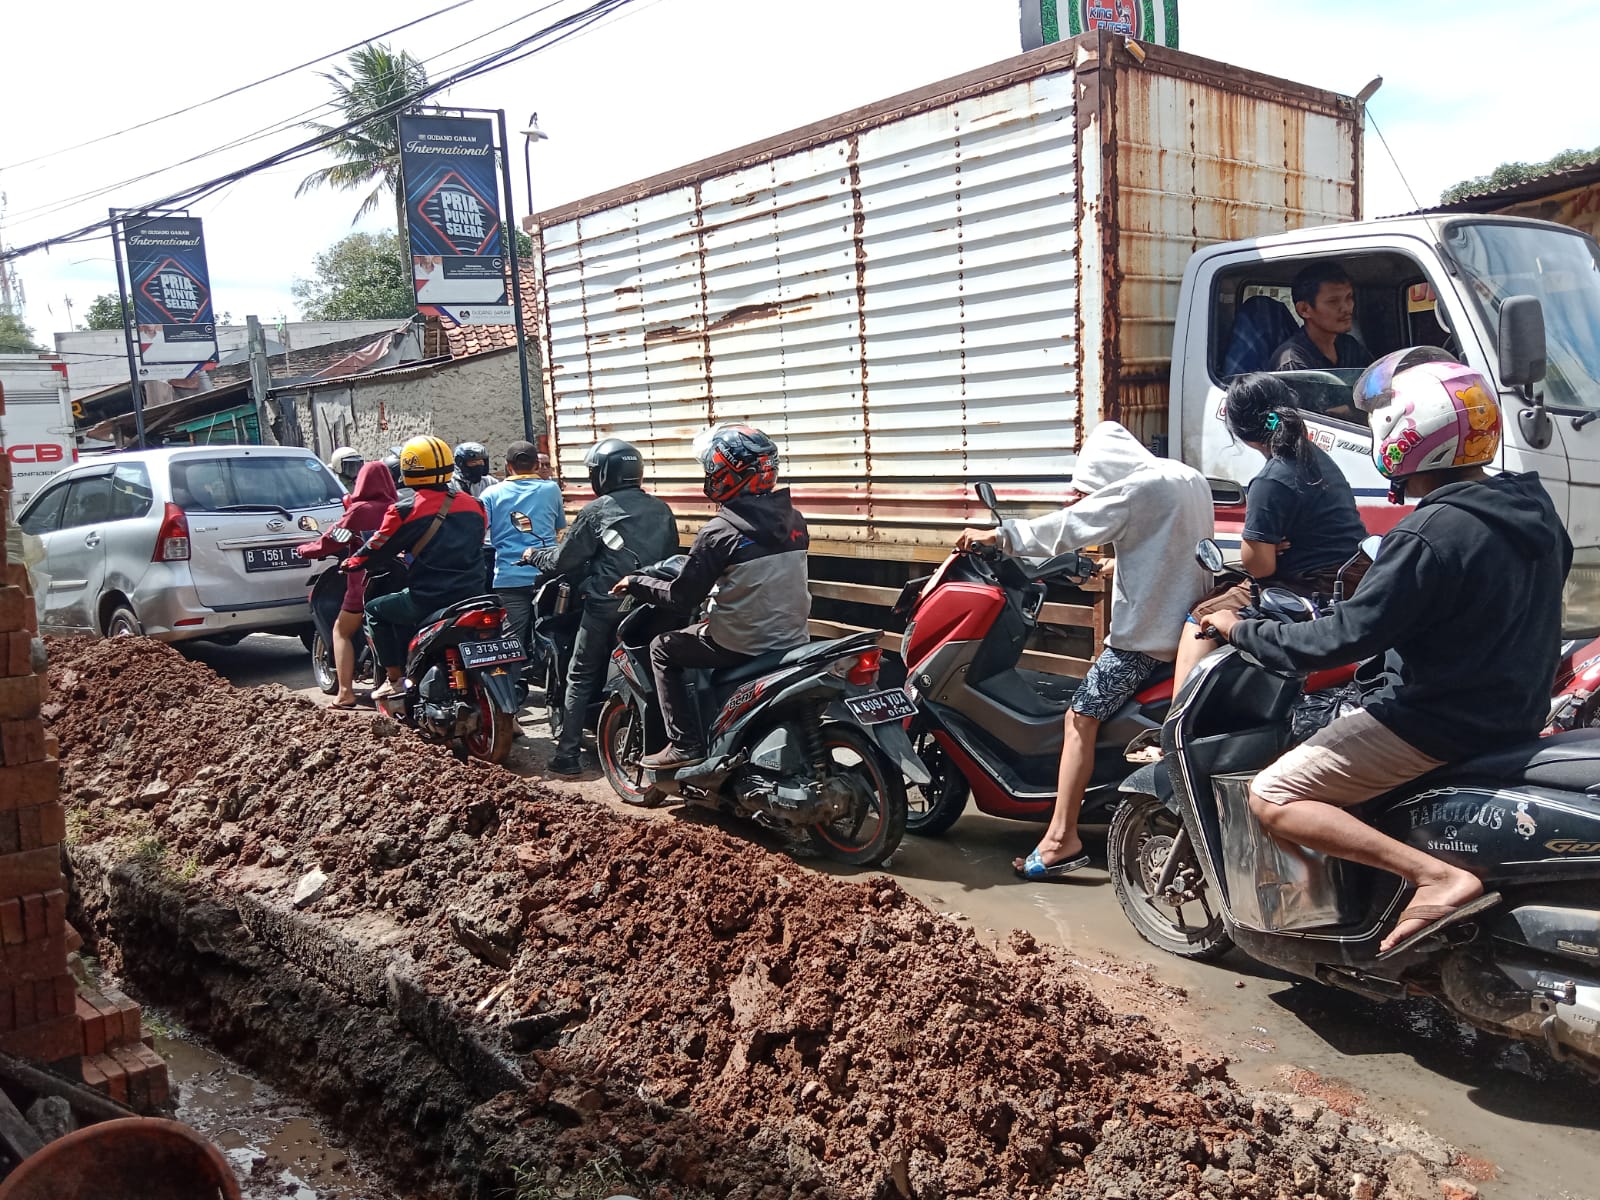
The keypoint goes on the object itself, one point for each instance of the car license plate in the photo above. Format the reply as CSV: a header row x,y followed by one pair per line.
x,y
272,558
492,653
891,705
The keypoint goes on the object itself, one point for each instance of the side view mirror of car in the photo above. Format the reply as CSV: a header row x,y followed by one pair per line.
x,y
986,496
1225,493
1209,555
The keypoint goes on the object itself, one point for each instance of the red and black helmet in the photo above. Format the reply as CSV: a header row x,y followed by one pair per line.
x,y
738,459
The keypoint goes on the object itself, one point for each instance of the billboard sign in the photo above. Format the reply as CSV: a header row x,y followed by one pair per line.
x,y
457,233
171,295
1046,21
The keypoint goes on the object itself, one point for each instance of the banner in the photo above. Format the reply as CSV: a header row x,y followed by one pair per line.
x,y
453,211
1046,21
171,295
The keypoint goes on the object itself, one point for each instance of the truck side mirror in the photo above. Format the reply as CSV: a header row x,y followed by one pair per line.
x,y
1523,362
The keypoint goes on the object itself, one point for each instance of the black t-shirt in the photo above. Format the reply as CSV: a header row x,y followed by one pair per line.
x,y
1300,353
1310,506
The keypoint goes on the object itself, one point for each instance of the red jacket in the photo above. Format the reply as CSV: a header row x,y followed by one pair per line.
x,y
449,568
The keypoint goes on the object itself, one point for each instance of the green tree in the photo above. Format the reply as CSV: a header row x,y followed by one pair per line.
x,y
1507,174
368,154
361,277
15,337
107,312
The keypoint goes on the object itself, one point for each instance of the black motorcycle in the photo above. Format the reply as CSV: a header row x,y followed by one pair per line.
x,y
800,740
1195,872
460,684
557,613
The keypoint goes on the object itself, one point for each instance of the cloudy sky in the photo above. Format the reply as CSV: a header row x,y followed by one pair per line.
x,y
1468,84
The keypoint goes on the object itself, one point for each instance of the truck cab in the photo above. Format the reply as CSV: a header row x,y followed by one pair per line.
x,y
1425,279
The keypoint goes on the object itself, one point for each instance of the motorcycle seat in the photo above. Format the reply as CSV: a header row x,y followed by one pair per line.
x,y
762,664
472,604
1569,761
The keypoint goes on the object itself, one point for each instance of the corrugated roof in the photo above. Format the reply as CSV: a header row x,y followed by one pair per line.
x,y
1547,184
463,341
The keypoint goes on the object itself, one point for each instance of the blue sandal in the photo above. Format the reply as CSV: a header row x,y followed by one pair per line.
x,y
1034,867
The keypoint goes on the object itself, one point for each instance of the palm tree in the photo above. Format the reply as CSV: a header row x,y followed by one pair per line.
x,y
376,78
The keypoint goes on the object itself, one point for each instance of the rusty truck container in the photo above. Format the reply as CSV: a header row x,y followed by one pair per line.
x,y
951,285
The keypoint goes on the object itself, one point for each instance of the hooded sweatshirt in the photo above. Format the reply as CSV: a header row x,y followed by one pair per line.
x,y
751,560
363,509
1467,589
1153,510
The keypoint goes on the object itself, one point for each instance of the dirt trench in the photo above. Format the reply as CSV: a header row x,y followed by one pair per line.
x,y
494,983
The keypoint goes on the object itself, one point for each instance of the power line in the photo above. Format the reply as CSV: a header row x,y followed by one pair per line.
x,y
310,62
516,52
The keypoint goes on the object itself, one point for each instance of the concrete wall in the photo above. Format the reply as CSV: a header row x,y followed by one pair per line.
x,y
96,358
475,399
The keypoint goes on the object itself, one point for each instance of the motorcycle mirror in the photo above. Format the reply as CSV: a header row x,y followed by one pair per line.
x,y
985,491
1369,546
611,539
1209,555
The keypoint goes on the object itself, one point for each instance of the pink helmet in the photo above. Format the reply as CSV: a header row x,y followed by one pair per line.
x,y
1427,413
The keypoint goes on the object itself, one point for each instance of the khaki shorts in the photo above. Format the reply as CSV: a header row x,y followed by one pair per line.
x,y
1345,763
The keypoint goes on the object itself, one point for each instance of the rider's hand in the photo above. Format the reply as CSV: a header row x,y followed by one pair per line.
x,y
971,539
1105,566
620,587
1222,622
527,557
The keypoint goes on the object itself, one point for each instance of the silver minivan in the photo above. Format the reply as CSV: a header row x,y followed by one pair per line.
x,y
183,542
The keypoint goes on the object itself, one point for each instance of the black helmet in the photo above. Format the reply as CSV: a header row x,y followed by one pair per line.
x,y
472,461
736,458
613,465
392,461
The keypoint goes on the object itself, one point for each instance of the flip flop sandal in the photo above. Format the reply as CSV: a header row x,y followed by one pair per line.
x,y
1439,917
356,706
1034,867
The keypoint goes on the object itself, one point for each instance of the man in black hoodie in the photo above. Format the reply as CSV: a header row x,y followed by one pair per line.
x,y
751,560
1466,589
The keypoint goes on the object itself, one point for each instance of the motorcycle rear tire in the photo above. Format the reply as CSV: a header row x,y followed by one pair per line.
x,y
322,669
491,742
933,807
1137,819
842,842
621,746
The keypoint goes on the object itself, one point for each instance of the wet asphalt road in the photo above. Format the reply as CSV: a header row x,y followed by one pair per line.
x,y
1538,1123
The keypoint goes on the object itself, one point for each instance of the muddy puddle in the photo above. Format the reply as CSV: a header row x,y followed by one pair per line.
x,y
278,1149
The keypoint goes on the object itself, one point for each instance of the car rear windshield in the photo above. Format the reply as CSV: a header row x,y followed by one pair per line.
x,y
282,481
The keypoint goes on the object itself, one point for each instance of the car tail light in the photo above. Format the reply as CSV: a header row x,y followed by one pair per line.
x,y
865,671
486,618
172,542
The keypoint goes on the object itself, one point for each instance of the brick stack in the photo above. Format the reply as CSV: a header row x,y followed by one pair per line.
x,y
38,998
115,1059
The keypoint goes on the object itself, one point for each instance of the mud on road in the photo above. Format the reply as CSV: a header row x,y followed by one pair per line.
x,y
720,1019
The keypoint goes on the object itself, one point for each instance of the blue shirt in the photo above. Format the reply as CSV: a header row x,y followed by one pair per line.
x,y
524,514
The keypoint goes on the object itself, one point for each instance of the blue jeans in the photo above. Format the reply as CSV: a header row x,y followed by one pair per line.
x,y
392,622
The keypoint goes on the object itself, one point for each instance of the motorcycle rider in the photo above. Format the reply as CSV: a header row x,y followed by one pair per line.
x,y
649,533
525,514
1466,589
750,559
472,469
1153,510
364,510
346,464
443,530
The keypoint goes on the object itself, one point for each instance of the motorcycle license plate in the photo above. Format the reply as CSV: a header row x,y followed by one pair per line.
x,y
891,705
272,558
492,653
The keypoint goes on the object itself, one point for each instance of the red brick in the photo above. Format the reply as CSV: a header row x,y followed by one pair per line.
x,y
15,574
138,1077
64,994
23,1006
122,1028
109,1069
52,824
93,1024
155,1075
46,1041
29,872
21,696
52,745
93,1076
29,831
14,606
33,921
8,1011
74,940
21,742
11,834
10,923
19,653
32,961
29,784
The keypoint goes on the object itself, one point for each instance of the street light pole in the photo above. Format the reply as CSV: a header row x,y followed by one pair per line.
x,y
530,135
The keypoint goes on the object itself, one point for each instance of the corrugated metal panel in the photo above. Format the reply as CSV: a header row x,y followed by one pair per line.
x,y
896,307
1198,163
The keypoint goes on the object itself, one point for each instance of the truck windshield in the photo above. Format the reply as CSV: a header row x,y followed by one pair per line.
x,y
1562,271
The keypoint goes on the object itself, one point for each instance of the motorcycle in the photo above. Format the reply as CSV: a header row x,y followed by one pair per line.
x,y
460,684
801,740
1576,702
557,613
326,599
1195,873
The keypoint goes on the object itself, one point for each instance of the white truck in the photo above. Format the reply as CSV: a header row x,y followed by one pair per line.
x,y
957,283
35,422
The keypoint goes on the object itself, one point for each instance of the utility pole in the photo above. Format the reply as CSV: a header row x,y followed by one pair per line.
x,y
260,377
67,300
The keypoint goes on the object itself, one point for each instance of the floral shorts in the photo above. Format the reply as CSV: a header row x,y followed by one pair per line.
x,y
1112,681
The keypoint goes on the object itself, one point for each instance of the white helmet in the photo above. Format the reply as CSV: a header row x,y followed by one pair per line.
x,y
1428,413
346,464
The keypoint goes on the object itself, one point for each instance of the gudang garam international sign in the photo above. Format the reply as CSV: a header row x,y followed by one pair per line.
x,y
171,295
1046,21
453,212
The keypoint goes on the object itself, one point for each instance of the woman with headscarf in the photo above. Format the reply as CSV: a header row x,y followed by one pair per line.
x,y
364,508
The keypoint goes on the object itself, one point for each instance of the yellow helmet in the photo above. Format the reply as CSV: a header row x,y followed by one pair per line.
x,y
425,462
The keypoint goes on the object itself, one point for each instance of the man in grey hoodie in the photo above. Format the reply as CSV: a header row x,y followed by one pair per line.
x,y
1152,511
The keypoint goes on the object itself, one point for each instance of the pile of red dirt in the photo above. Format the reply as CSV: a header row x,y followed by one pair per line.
x,y
715,1014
